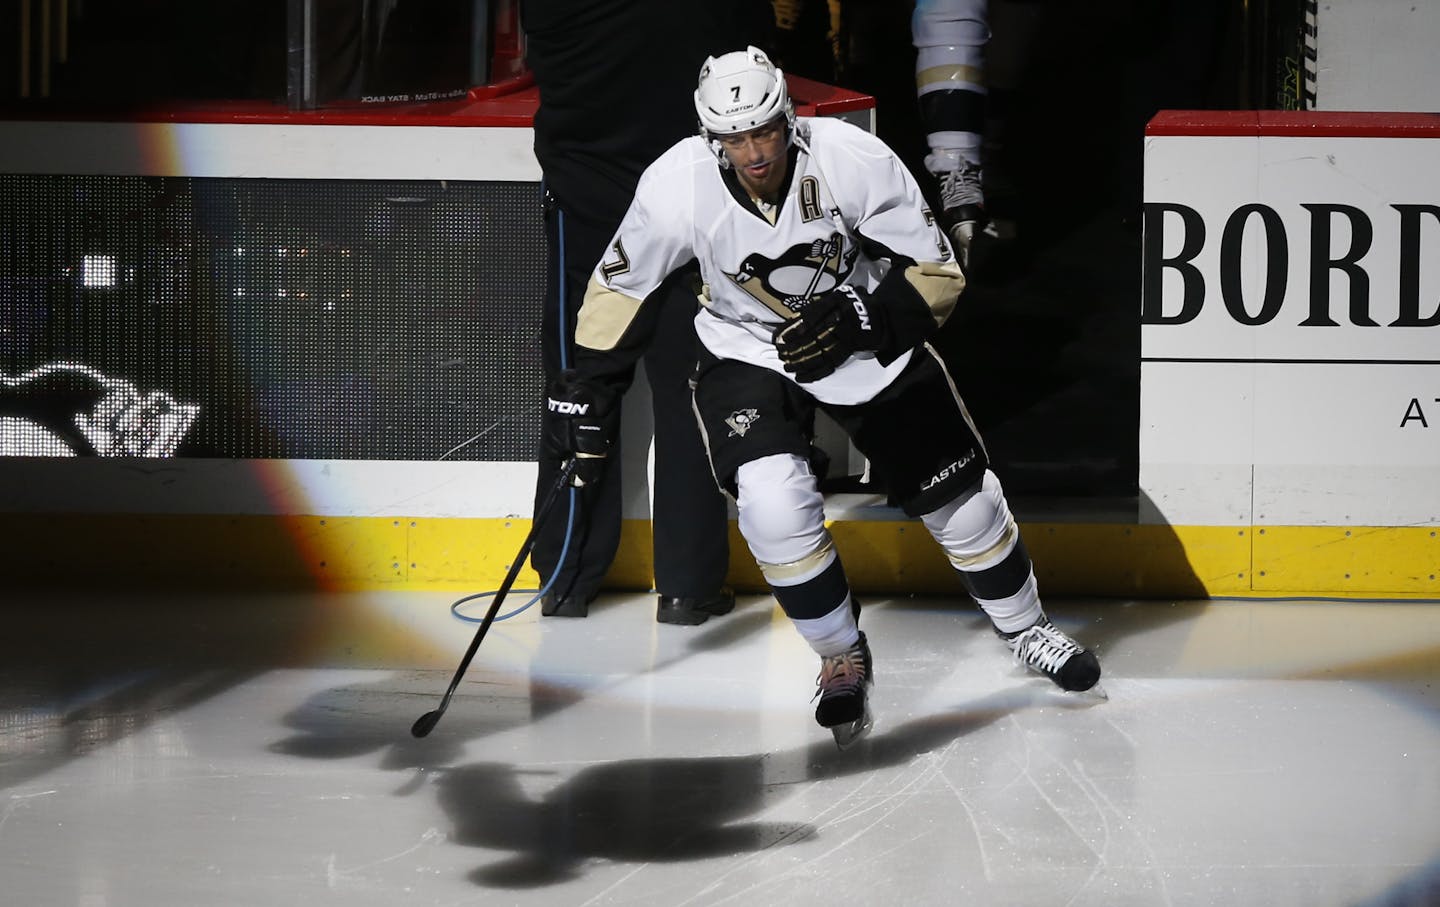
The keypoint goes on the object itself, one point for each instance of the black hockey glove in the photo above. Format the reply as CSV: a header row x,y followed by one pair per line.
x,y
579,423
829,330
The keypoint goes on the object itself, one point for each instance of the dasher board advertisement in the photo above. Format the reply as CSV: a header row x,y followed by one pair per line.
x,y
1290,337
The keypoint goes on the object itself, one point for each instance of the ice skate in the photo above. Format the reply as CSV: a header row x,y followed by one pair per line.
x,y
1044,649
963,215
843,688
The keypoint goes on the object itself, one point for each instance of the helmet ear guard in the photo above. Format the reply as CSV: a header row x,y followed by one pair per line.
x,y
740,91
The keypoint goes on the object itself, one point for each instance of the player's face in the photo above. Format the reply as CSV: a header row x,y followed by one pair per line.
x,y
758,156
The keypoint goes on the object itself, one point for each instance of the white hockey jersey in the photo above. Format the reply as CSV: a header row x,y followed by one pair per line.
x,y
850,213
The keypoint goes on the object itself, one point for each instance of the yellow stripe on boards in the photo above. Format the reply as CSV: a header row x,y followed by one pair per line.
x,y
1348,560
880,556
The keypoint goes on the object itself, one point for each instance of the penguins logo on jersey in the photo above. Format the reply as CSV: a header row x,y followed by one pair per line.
x,y
741,420
785,284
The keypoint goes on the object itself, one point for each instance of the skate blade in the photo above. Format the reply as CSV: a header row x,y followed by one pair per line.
x,y
1094,694
847,735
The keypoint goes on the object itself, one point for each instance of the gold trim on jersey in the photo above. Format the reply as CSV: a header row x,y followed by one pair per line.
x,y
939,283
604,317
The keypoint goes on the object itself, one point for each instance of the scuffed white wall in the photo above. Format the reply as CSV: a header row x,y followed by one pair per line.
x,y
1381,55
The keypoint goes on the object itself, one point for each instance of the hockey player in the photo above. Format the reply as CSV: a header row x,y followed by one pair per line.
x,y
823,274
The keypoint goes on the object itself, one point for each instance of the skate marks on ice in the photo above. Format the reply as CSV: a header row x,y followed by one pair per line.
x,y
669,810
612,659
991,786
1168,794
46,722
367,716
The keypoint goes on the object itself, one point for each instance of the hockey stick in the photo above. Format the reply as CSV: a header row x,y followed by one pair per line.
x,y
426,722
830,247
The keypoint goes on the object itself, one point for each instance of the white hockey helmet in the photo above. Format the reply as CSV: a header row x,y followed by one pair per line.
x,y
739,91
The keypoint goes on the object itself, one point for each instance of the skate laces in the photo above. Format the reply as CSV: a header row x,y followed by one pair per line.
x,y
961,187
841,674
1044,647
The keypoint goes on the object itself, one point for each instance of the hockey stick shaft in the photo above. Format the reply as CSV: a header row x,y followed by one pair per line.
x,y
829,249
426,723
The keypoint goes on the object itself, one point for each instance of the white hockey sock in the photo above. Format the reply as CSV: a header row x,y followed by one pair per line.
x,y
833,633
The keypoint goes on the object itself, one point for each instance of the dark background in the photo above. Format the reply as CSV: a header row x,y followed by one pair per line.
x,y
1046,343
108,53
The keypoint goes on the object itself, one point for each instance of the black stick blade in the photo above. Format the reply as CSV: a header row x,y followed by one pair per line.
x,y
425,724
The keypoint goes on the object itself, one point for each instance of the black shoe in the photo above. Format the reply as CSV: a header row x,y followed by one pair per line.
x,y
573,605
690,611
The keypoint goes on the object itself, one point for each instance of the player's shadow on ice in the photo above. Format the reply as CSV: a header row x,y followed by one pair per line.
x,y
676,809
375,716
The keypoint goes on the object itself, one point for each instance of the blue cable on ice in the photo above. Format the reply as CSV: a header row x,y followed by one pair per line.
x,y
574,492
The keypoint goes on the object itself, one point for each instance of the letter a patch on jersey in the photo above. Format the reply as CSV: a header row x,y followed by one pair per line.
x,y
810,199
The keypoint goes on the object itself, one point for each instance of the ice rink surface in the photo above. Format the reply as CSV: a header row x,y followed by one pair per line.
x,y
256,750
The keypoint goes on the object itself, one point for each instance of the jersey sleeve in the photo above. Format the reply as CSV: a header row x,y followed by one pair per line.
x,y
655,239
894,223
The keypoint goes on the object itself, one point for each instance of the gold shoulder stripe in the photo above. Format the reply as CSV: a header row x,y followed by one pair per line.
x,y
939,283
604,317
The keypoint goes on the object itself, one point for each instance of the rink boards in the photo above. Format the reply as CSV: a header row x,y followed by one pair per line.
x,y
1289,437
1290,342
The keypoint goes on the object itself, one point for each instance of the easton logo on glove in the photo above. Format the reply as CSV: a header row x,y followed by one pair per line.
x,y
828,331
567,407
859,305
580,424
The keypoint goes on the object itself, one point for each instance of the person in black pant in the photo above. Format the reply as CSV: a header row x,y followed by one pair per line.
x,y
615,78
